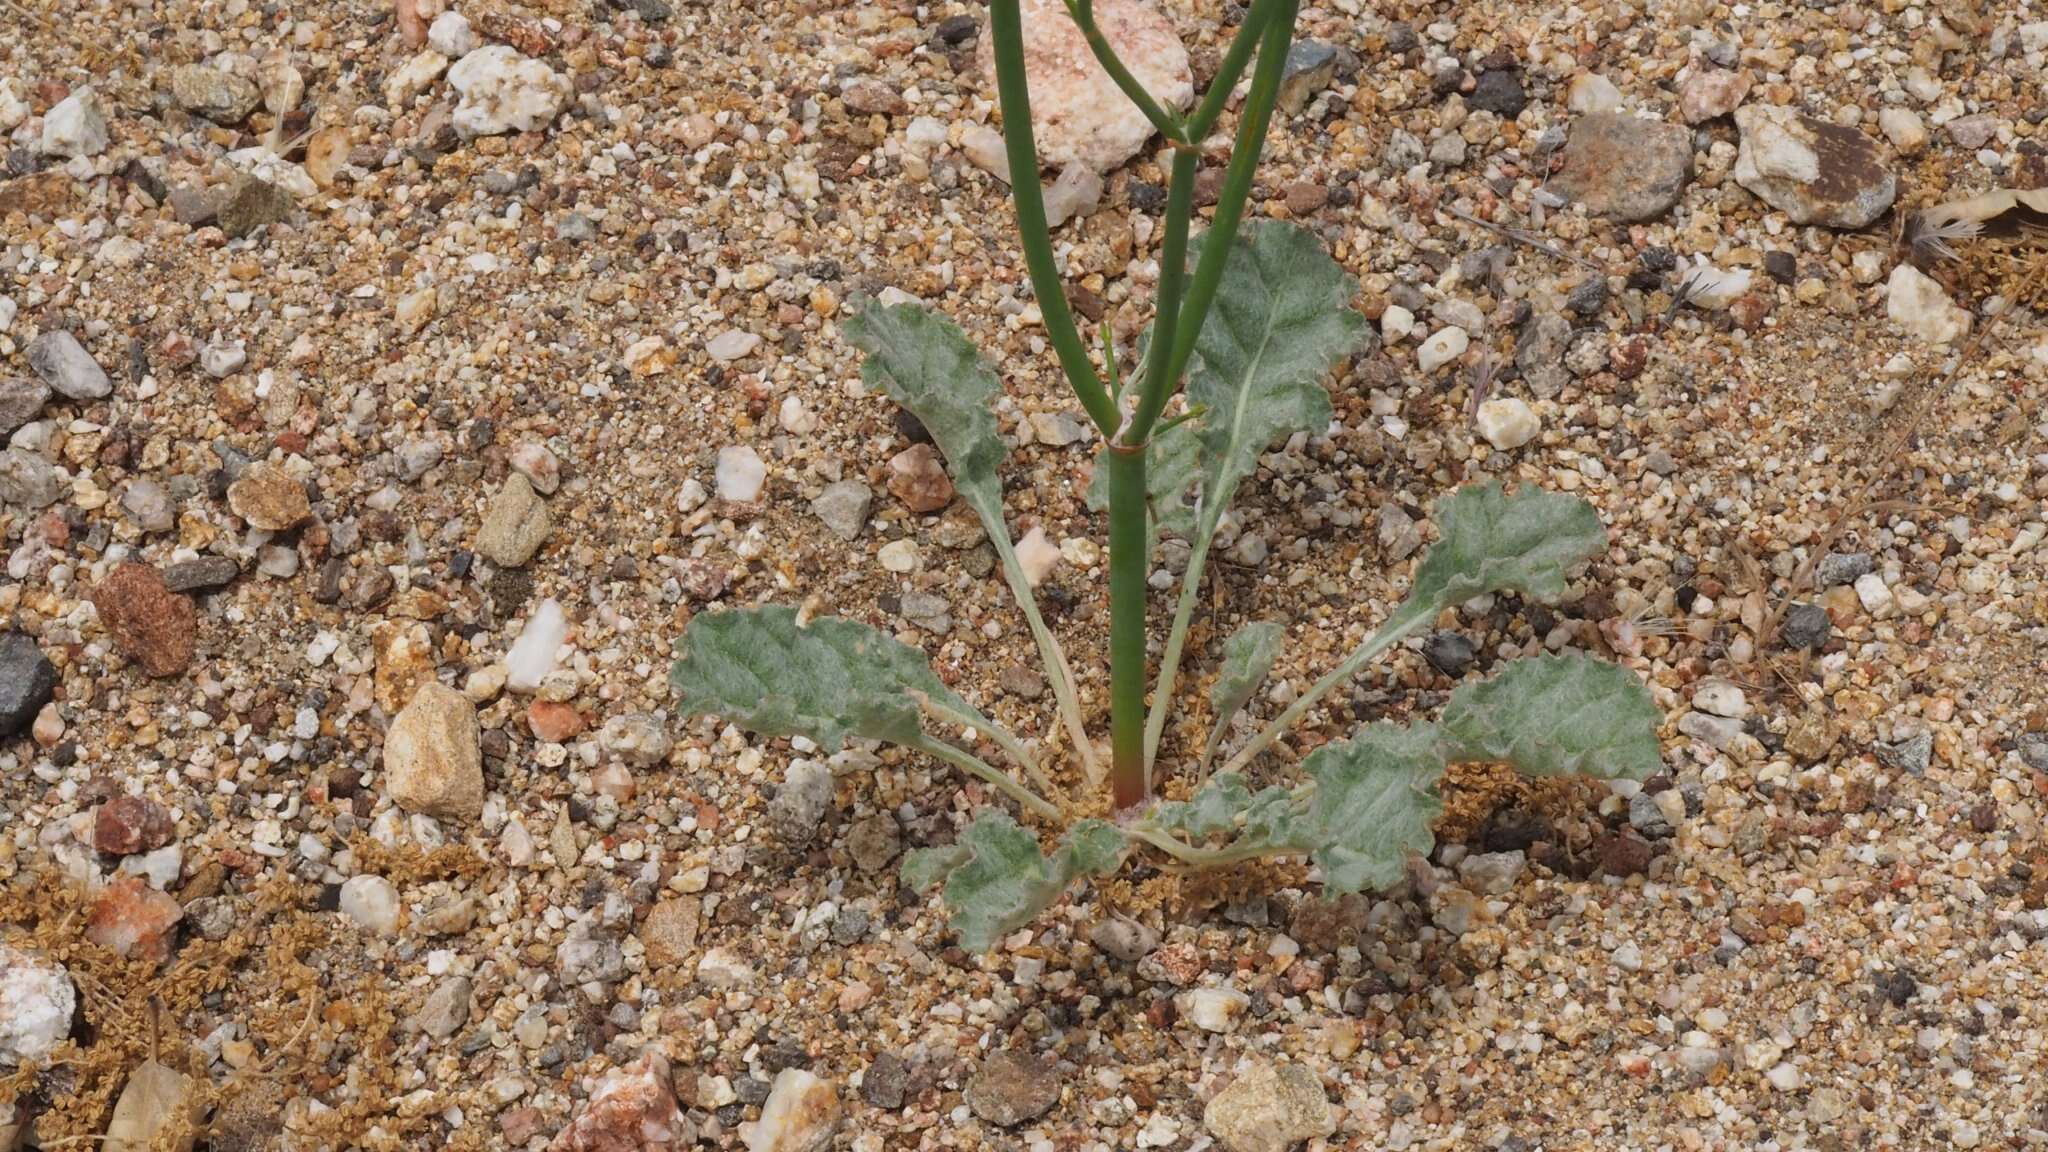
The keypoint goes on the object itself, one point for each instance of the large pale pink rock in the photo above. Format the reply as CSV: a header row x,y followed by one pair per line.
x,y
134,920
634,1108
1078,114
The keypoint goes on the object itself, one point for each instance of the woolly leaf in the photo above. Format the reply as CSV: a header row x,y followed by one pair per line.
x,y
1564,715
1210,811
1281,321
826,680
1492,542
925,363
997,879
1247,657
1373,803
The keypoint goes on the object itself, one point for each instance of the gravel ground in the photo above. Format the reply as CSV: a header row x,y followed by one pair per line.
x,y
381,370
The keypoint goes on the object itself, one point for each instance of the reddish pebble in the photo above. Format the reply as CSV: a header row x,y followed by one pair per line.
x,y
553,721
520,1125
134,920
1628,359
129,824
917,478
154,626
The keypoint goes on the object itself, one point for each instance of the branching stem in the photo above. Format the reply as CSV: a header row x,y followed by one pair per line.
x,y
1014,95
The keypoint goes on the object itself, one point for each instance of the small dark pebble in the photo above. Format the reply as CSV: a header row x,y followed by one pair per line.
x,y
1782,266
1450,653
884,1084
957,30
1623,854
201,574
1805,626
1588,297
27,681
1499,92
1897,987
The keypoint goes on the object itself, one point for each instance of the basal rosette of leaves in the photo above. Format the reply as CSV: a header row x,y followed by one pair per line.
x,y
1253,317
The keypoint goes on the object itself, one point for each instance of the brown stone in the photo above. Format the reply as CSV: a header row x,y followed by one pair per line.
x,y
152,625
269,498
134,920
433,755
918,478
1812,171
1013,1087
404,660
1623,854
130,824
669,933
44,194
1627,168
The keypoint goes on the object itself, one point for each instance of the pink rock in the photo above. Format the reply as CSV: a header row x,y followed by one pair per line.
x,y
520,1125
134,920
129,824
1078,114
917,478
633,1108
1711,93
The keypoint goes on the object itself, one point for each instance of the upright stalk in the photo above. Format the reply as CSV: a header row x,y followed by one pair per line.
x,y
1127,571
1013,93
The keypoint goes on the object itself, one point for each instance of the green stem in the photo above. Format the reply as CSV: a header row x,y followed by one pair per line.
x,y
1164,119
1001,781
1014,95
1405,620
1234,60
1237,183
1204,857
1183,613
1156,385
1128,561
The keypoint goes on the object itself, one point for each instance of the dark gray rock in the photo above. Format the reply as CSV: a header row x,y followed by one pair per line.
x,y
27,681
1910,755
202,574
1805,626
1449,653
1500,92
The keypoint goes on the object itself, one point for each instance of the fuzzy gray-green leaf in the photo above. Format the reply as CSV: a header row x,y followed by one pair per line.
x,y
1563,715
928,365
1281,321
1489,541
1375,799
1210,810
828,680
924,867
997,880
1247,657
